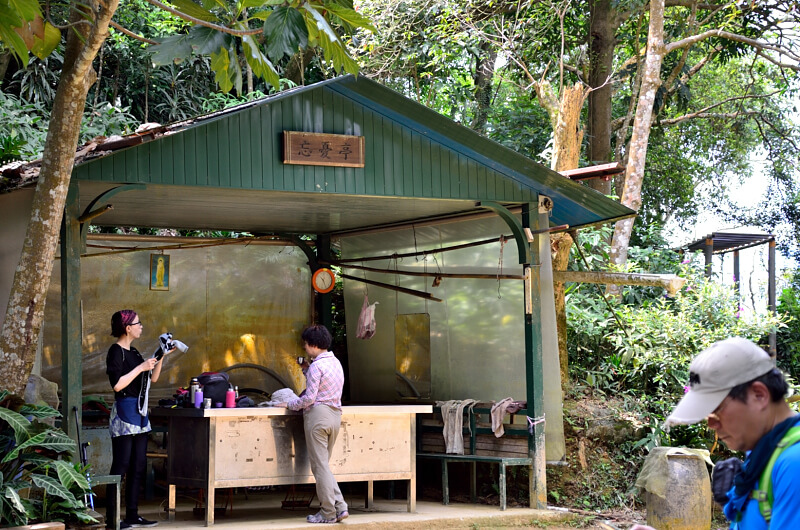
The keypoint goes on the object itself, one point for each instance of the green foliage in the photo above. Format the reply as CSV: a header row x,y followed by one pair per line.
x,y
24,121
287,28
15,14
789,336
27,123
220,100
646,352
37,82
35,459
10,149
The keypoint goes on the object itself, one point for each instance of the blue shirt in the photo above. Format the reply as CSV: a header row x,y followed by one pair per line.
x,y
786,491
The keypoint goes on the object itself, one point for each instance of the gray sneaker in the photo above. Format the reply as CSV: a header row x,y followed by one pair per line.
x,y
319,518
341,516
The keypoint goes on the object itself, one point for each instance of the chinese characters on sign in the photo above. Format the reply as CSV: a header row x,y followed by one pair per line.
x,y
319,149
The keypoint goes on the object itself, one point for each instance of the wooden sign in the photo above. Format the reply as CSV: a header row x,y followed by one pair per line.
x,y
320,149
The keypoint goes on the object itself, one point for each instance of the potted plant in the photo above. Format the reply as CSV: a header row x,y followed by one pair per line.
x,y
38,482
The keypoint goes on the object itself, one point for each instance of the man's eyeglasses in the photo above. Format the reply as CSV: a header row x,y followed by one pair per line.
x,y
136,324
714,416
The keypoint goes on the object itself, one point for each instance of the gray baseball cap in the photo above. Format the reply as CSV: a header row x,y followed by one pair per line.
x,y
713,373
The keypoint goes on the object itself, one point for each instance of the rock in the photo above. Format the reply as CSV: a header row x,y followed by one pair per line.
x,y
40,391
604,423
610,429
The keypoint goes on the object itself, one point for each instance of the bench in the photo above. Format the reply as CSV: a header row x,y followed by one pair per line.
x,y
481,445
112,496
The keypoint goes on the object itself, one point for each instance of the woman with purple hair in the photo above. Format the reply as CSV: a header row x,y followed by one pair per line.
x,y
130,376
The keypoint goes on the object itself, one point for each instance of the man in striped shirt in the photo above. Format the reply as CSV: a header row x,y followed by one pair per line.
x,y
321,403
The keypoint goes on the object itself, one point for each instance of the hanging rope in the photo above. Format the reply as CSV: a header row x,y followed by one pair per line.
x,y
500,265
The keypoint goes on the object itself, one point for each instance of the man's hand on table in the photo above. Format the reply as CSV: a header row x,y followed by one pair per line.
x,y
281,405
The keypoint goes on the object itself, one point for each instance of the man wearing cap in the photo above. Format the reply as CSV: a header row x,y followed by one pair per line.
x,y
735,386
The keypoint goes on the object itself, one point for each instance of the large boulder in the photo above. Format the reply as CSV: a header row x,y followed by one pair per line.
x,y
40,391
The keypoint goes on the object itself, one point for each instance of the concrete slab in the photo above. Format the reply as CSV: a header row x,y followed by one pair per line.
x,y
263,510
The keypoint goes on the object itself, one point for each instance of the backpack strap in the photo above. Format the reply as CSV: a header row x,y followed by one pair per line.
x,y
763,494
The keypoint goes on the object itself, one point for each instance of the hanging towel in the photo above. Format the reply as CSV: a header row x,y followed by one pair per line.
x,y
498,413
453,418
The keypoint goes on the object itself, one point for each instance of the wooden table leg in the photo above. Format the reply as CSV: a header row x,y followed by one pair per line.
x,y
369,500
412,495
171,503
211,477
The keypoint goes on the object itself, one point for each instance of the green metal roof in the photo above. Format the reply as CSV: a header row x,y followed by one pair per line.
x,y
419,165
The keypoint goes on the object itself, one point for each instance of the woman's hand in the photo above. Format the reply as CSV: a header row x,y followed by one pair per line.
x,y
148,365
641,527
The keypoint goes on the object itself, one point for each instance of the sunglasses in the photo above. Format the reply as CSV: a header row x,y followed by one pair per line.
x,y
136,324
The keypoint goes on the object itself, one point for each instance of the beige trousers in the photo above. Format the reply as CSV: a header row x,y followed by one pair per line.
x,y
321,425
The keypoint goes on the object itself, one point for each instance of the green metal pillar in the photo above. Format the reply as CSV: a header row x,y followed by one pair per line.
x,y
71,336
324,300
533,362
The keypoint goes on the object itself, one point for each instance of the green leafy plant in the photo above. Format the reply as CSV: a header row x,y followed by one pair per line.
x,y
37,480
789,336
641,345
10,148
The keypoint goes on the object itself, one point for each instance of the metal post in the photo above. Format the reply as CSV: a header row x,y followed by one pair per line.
x,y
709,254
71,336
771,299
736,279
533,363
325,315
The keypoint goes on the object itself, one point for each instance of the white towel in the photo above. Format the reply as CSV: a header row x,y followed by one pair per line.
x,y
284,395
453,418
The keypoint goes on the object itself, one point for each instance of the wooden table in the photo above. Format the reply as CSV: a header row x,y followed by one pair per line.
x,y
224,448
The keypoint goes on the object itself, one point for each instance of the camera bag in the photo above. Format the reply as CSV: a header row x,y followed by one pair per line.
x,y
215,385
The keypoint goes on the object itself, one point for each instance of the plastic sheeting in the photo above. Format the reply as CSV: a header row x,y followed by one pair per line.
x,y
232,304
477,340
655,471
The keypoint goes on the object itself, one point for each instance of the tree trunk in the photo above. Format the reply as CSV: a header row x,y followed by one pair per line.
x,y
602,39
32,277
484,72
637,152
296,66
559,249
565,115
5,59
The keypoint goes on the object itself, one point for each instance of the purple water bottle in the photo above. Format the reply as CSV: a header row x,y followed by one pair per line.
x,y
198,399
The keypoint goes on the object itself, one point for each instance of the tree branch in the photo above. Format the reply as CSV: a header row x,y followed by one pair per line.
x,y
691,3
759,46
131,34
706,115
199,22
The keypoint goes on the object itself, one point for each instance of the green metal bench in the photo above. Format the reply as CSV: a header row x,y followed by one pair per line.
x,y
472,429
113,484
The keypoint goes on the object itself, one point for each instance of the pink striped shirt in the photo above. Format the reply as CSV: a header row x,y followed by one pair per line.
x,y
324,382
